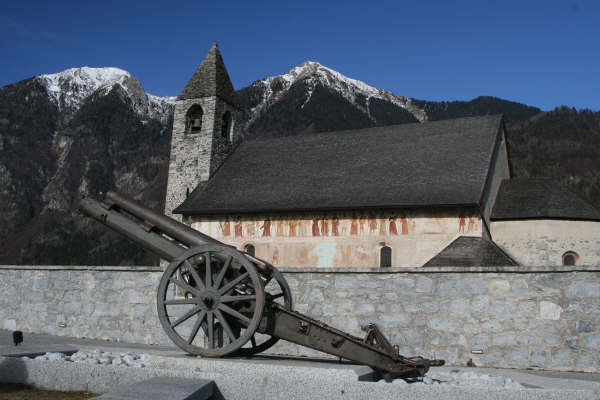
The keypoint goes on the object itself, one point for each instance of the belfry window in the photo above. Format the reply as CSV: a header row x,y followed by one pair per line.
x,y
226,125
385,257
570,258
193,120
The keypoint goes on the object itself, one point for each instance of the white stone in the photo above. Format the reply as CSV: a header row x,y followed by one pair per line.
x,y
10,324
549,310
499,287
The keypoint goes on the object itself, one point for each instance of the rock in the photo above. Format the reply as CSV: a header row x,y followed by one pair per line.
x,y
55,356
117,361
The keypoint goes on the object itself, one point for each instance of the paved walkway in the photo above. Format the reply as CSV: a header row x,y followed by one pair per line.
x,y
36,343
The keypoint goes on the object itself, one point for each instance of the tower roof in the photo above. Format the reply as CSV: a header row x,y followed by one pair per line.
x,y
210,79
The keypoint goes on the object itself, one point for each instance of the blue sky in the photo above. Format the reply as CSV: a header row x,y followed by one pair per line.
x,y
541,53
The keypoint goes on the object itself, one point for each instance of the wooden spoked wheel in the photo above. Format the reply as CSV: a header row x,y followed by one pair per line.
x,y
278,291
210,300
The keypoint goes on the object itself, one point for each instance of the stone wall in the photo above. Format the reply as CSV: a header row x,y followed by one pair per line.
x,y
543,242
114,303
522,317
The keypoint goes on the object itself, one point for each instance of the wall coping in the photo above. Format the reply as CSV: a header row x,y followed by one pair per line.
x,y
299,270
427,270
116,268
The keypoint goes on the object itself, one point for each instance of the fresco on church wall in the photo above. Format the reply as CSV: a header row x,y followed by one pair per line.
x,y
338,240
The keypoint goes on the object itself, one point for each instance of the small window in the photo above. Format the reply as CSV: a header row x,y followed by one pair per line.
x,y
570,258
193,120
385,257
249,249
226,125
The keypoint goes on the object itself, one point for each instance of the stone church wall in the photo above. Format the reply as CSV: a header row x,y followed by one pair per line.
x,y
543,242
521,317
348,240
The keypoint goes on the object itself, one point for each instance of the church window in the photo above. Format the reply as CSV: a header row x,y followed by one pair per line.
x,y
249,249
226,125
570,258
385,257
193,120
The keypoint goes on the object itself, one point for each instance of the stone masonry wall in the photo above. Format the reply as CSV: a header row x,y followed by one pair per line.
x,y
114,303
194,157
522,317
543,242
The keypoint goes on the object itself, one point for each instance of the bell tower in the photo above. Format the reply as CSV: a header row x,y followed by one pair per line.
x,y
204,129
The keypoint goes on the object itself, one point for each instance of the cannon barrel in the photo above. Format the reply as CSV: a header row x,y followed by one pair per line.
x,y
147,238
175,229
150,229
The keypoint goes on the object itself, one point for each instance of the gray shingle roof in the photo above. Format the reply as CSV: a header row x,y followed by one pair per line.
x,y
529,198
210,79
442,163
468,251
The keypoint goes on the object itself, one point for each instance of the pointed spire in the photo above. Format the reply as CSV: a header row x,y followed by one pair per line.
x,y
210,79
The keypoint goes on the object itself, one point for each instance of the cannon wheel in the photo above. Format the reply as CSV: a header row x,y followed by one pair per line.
x,y
215,288
281,295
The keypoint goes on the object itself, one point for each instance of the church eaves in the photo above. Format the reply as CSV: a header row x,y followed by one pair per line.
x,y
210,79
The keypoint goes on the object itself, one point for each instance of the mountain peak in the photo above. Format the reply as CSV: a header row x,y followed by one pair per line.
x,y
330,77
71,87
312,74
75,84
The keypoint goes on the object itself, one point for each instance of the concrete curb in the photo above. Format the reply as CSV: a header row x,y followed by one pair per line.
x,y
243,380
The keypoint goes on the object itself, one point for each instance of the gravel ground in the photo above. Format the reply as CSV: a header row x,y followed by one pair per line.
x,y
11,391
99,357
464,379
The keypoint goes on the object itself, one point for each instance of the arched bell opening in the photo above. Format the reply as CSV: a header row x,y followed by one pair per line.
x,y
193,120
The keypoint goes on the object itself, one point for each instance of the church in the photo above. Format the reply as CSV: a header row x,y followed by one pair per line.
x,y
430,194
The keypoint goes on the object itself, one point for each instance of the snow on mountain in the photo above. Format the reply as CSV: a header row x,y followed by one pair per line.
x,y
69,88
313,73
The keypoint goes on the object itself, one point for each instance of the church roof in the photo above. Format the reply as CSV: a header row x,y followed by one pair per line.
x,y
442,163
529,198
210,79
468,251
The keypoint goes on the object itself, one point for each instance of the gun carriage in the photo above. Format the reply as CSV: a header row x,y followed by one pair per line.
x,y
215,301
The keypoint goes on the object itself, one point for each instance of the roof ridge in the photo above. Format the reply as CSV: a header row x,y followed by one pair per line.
x,y
363,130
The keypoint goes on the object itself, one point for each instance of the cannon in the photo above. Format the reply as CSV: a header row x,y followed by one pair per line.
x,y
214,300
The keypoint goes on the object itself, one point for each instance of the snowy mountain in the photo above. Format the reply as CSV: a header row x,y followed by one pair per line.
x,y
297,92
70,88
312,74
79,131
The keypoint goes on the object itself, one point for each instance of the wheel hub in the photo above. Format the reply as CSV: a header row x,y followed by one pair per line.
x,y
210,298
